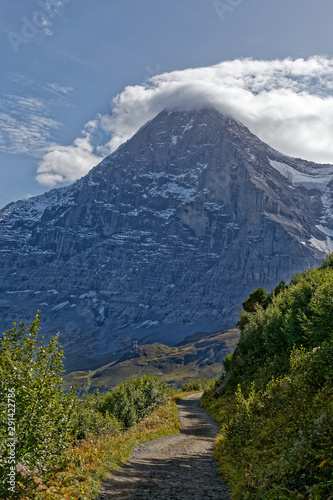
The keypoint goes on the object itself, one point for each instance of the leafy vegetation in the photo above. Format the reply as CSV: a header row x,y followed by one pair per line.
x,y
36,415
54,445
90,460
90,421
135,398
203,384
274,401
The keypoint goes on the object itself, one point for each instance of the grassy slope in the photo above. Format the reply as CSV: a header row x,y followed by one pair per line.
x,y
198,356
276,413
87,464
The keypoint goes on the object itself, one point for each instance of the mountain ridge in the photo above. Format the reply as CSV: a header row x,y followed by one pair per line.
x,y
164,237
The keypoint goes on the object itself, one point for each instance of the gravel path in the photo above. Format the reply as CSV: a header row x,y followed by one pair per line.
x,y
179,467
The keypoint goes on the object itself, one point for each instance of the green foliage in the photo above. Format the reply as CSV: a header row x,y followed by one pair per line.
x,y
91,421
90,460
278,289
243,320
257,297
327,262
203,384
30,372
276,413
300,314
51,424
135,398
256,300
280,438
228,362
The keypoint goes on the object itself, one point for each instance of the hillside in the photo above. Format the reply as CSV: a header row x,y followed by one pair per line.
x,y
274,403
198,356
163,238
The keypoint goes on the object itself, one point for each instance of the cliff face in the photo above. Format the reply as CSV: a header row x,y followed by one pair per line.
x,y
165,237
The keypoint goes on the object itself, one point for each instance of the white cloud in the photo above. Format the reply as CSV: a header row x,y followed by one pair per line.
x,y
60,89
64,164
41,87
287,103
25,126
27,123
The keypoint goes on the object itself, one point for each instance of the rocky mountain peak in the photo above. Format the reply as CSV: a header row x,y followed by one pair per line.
x,y
164,238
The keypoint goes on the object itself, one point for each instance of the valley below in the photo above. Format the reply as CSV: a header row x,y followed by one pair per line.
x,y
197,356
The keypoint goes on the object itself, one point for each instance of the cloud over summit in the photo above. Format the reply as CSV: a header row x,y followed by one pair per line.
x,y
287,103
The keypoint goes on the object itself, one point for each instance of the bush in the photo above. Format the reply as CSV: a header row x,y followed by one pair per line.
x,y
36,415
257,297
282,435
49,428
203,384
91,421
275,404
135,398
300,314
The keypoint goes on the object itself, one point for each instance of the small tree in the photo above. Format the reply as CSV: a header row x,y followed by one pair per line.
x,y
255,299
36,414
135,398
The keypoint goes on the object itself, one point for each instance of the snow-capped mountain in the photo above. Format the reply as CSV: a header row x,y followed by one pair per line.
x,y
164,238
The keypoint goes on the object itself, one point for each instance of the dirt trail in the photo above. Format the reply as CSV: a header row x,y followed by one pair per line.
x,y
179,467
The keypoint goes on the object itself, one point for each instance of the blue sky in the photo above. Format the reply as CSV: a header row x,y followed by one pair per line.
x,y
63,61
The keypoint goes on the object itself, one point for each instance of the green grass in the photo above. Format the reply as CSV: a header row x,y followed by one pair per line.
x,y
66,446
275,403
91,460
277,443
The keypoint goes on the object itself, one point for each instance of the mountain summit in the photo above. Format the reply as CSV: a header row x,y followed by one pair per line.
x,y
164,238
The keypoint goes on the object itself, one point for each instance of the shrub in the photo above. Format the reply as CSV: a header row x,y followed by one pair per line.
x,y
227,363
91,421
31,399
257,297
135,399
275,406
281,435
300,314
202,384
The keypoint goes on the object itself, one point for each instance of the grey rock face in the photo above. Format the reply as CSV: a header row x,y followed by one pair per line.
x,y
165,237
